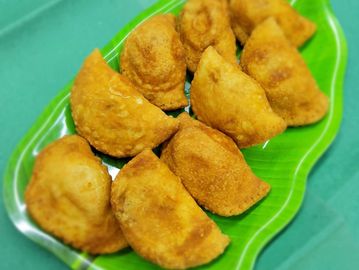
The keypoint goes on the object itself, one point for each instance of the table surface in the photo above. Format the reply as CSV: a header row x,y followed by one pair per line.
x,y
42,45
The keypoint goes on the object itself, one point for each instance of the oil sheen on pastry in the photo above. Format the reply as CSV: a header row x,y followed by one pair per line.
x,y
112,115
225,98
69,196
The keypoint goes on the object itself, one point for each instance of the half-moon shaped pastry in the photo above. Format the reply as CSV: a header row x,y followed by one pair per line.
x,y
159,218
212,168
225,98
69,196
153,60
277,65
112,115
204,23
247,14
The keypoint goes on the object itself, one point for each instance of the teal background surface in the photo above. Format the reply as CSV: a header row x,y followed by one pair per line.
x,y
42,45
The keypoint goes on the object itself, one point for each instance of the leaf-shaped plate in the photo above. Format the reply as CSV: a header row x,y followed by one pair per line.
x,y
284,161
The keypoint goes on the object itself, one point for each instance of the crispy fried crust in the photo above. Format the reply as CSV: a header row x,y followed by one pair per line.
x,y
112,115
247,14
160,220
69,197
225,98
277,65
212,168
153,60
204,23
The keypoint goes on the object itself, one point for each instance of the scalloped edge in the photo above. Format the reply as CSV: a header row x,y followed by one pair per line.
x,y
268,231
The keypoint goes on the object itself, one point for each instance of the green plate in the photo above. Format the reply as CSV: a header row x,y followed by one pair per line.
x,y
284,161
